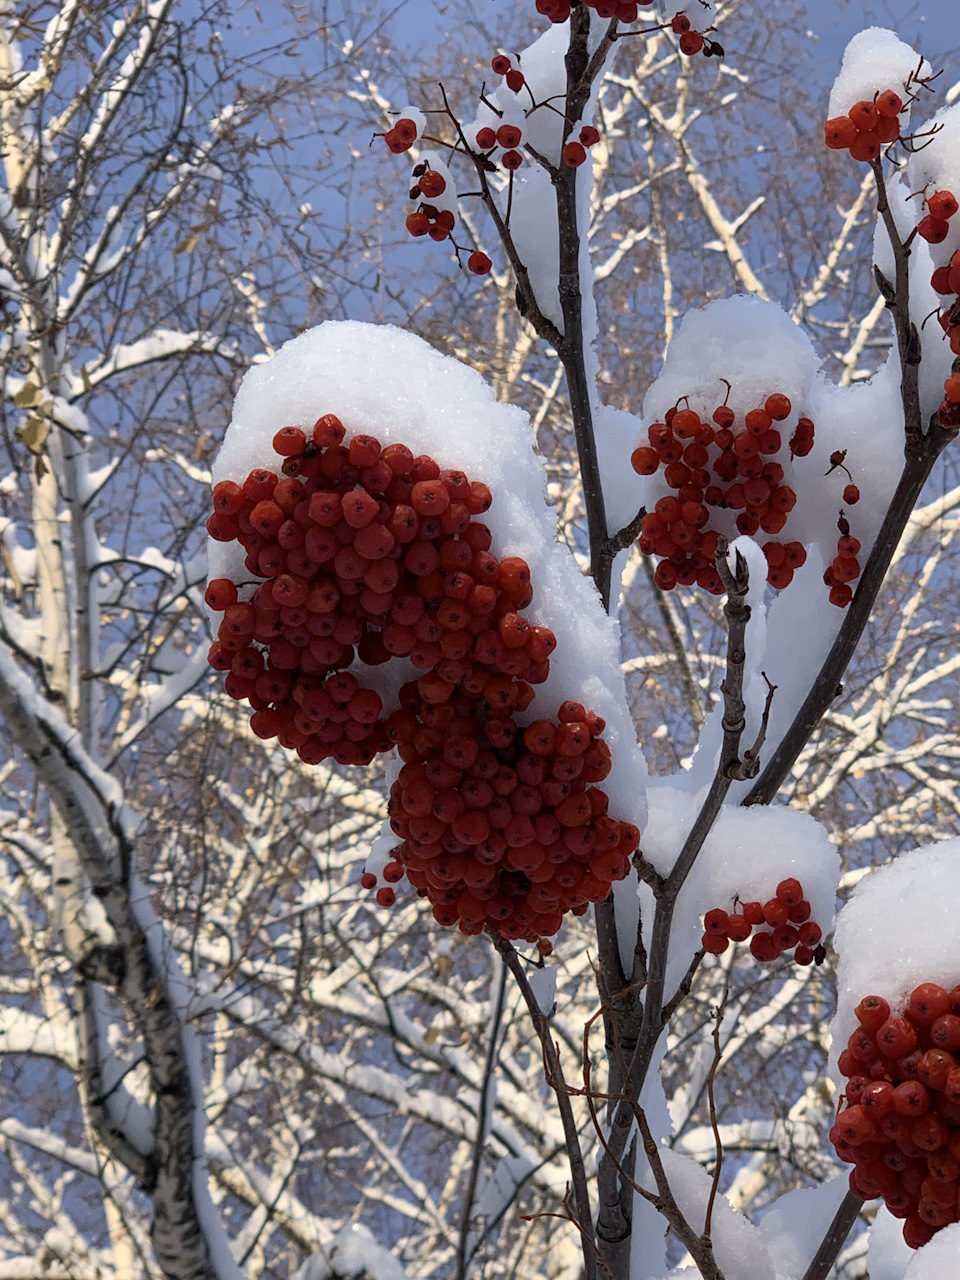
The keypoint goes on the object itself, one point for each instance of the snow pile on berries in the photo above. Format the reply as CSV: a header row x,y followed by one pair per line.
x,y
346,508
752,439
899,930
938,1259
874,60
747,853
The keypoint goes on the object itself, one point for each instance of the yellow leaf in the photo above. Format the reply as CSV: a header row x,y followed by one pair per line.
x,y
33,434
28,395
443,965
87,384
188,245
430,1035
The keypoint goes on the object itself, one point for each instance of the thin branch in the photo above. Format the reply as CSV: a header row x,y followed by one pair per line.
x,y
554,1073
833,1241
479,1141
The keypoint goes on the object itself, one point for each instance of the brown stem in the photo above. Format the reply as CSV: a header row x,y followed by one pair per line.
x,y
554,1075
833,1241
921,451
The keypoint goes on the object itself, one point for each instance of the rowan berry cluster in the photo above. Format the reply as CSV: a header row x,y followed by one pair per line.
x,y
845,567
746,479
867,127
366,554
934,228
501,826
900,1125
790,928
625,11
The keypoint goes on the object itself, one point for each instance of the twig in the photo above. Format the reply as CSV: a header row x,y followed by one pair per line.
x,y
480,1138
737,613
711,1078
921,450
833,1241
554,1073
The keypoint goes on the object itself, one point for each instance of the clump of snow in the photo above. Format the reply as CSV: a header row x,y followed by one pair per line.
x,y
623,490
874,60
888,1254
898,929
738,1246
747,853
353,1252
757,348
939,1259
543,984
936,167
413,113
753,344
797,1221
437,405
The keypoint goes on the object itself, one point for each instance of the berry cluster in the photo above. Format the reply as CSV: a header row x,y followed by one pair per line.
x,y
867,127
845,567
625,11
367,554
745,479
501,826
946,282
402,136
787,914
900,1125
934,227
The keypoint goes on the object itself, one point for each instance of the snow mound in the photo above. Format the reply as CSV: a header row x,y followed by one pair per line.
x,y
898,930
874,60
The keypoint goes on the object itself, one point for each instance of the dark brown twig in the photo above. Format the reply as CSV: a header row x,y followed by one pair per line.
x,y
717,1016
833,1241
554,1074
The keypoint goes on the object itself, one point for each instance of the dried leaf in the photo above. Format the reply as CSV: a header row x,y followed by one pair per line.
x,y
430,1035
188,245
27,396
34,434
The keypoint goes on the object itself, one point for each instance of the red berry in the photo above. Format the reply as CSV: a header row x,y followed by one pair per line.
x,y
864,115
515,80
889,104
511,160
501,64
716,921
851,495
432,184
486,138
418,224
715,943
942,204
935,230
508,135
574,154
865,146
691,42
589,136
928,1002
839,133
790,892
479,263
